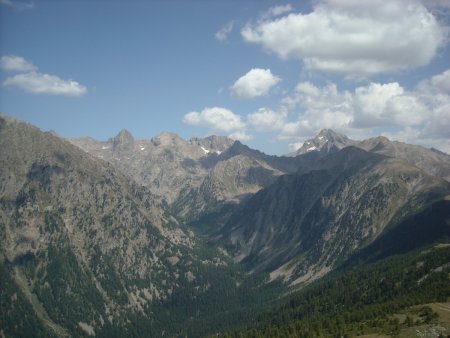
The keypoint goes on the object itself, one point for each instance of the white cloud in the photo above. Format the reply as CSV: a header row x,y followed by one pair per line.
x,y
277,11
32,81
295,146
418,116
442,82
216,118
19,5
220,120
438,125
353,38
256,82
370,106
295,130
267,119
223,33
388,104
436,3
39,83
421,137
320,108
241,136
13,63
435,94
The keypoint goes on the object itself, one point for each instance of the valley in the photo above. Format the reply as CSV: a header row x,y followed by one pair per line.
x,y
202,237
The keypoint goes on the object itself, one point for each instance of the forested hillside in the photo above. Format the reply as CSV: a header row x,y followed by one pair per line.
x,y
385,297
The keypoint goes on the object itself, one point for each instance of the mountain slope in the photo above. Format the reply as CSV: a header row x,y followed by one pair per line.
x,y
83,249
388,298
422,228
87,250
238,173
195,176
305,224
431,161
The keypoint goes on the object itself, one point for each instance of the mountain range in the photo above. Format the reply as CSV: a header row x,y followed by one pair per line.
x,y
119,237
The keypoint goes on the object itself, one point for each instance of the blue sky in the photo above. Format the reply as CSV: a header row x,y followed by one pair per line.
x,y
270,73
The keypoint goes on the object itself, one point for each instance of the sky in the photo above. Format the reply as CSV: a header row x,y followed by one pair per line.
x,y
268,73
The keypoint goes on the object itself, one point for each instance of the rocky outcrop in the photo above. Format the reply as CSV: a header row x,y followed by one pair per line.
x,y
191,176
166,164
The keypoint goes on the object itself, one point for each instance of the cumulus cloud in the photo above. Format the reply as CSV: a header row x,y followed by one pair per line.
x,y
277,11
442,82
419,116
439,125
436,3
378,105
32,81
353,38
13,63
266,119
218,119
39,83
19,5
223,32
320,107
371,106
295,146
257,82
241,136
428,109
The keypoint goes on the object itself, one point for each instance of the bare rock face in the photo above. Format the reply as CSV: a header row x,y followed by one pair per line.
x,y
166,164
229,181
193,175
327,141
124,141
212,144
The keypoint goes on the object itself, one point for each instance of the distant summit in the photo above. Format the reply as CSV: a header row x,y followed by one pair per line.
x,y
213,144
432,161
123,140
327,141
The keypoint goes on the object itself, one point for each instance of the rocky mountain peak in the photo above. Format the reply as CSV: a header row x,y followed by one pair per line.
x,y
327,141
124,140
167,139
237,148
377,144
213,144
331,134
